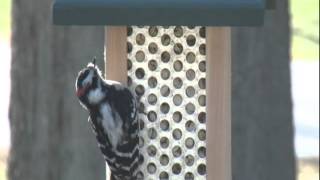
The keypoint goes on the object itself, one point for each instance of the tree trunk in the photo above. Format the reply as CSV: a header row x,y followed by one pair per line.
x,y
51,138
262,108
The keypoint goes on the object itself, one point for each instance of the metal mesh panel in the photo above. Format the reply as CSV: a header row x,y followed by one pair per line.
x,y
166,68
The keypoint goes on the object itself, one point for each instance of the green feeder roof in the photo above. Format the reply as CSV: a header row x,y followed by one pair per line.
x,y
159,12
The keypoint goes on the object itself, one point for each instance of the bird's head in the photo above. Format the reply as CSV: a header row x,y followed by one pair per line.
x,y
88,79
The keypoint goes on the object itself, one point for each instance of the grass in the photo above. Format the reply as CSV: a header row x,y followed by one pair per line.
x,y
5,6
305,28
3,172
308,169
3,159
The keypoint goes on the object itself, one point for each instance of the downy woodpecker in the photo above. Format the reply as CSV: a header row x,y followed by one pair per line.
x,y
113,116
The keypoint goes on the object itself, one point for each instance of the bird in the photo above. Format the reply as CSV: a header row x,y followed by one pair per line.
x,y
113,117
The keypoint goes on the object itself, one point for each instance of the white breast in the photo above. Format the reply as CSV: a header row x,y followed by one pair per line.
x,y
95,96
112,125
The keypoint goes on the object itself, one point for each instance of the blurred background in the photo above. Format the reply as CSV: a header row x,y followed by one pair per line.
x,y
304,68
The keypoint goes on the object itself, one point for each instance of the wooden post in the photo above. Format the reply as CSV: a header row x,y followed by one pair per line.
x,y
116,53
218,103
116,59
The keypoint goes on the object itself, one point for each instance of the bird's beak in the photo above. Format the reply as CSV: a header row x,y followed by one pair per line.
x,y
94,62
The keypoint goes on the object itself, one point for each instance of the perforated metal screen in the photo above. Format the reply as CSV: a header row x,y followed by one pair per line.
x,y
166,68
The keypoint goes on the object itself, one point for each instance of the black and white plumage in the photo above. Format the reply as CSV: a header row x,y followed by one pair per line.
x,y
113,115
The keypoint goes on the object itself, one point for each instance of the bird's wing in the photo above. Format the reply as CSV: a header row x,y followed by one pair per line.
x,y
125,104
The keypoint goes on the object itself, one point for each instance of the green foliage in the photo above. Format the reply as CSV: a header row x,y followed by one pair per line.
x,y
305,29
5,6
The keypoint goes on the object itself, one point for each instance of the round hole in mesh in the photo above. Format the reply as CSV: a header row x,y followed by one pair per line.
x,y
140,39
151,167
152,99
152,150
141,124
165,39
140,176
202,83
177,99
129,81
202,32
189,176
152,116
190,91
164,176
140,73
129,47
129,31
177,116
189,159
141,107
191,57
141,142
202,135
164,159
152,133
129,65
176,134
177,66
202,66
202,100
176,168
202,169
178,31
190,74
164,108
189,143
152,65
141,159
202,49
177,83
202,117
165,56
202,152
152,82
164,142
153,48
153,31
190,108
140,56
164,125
191,40
176,151
165,74
139,90
178,48
165,90
190,126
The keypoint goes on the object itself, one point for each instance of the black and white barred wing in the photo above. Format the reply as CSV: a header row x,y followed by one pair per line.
x,y
126,105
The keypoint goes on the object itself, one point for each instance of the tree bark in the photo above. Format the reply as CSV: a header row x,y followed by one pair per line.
x,y
51,138
262,107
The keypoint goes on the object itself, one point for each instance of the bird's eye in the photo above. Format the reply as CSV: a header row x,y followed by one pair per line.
x,y
85,73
